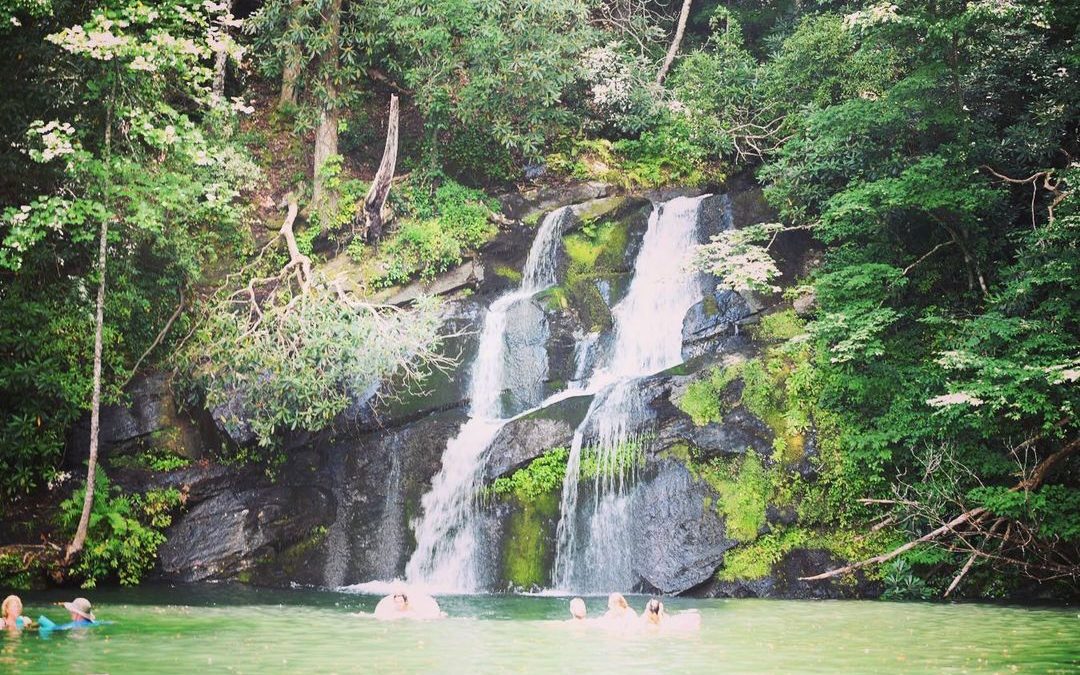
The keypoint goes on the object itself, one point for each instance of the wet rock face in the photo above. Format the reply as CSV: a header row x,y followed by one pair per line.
x,y
235,521
679,541
378,480
526,356
523,440
711,323
150,420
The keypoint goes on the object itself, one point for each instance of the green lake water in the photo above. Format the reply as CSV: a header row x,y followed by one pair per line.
x,y
221,628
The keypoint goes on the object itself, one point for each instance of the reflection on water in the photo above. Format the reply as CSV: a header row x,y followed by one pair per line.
x,y
164,629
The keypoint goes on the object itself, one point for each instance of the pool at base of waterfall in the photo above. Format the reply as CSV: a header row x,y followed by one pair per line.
x,y
181,629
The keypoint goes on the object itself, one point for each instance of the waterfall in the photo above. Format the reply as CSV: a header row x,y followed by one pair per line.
x,y
446,536
648,339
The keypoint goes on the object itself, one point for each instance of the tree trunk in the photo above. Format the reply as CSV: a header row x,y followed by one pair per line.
x,y
324,198
290,76
95,404
380,185
673,50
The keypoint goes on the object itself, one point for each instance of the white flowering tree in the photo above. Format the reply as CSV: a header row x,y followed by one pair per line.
x,y
132,161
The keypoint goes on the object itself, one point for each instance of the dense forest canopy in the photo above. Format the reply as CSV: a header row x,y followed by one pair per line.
x,y
928,148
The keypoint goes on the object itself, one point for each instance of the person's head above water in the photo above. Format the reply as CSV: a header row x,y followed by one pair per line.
x,y
654,610
11,609
617,602
80,609
401,601
577,608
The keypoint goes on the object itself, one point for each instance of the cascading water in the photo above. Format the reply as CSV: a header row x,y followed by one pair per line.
x,y
648,339
446,537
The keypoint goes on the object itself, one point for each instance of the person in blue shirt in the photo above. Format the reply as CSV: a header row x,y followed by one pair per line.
x,y
81,612
11,614
82,616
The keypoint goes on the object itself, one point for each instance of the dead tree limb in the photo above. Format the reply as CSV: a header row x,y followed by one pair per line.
x,y
676,42
380,185
296,258
1038,475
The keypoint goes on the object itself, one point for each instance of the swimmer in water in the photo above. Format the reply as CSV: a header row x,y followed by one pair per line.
x,y
577,609
11,614
654,613
402,605
618,609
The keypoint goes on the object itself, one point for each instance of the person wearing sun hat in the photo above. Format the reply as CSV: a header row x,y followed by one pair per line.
x,y
81,611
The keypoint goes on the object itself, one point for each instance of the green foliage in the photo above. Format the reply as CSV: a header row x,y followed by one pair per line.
x,y
124,534
756,559
657,158
702,403
1052,508
496,67
19,572
301,367
154,459
946,298
703,400
542,476
167,180
780,326
902,584
744,491
441,226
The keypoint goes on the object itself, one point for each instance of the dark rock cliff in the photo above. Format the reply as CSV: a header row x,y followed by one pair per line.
x,y
341,508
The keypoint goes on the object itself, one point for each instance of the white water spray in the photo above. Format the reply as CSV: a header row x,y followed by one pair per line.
x,y
446,536
648,339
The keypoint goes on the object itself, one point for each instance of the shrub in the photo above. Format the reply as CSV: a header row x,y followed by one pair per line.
x,y
544,474
440,226
124,533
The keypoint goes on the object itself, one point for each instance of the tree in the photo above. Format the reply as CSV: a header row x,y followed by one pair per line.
x,y
136,84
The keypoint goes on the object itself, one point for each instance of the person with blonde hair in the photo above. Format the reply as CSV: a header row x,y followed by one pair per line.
x,y
11,613
577,610
619,611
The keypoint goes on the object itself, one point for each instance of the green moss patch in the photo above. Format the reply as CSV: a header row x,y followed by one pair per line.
x,y
703,400
508,273
597,254
526,551
756,560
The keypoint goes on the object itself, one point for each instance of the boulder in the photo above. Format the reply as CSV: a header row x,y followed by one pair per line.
x,y
524,439
679,541
223,537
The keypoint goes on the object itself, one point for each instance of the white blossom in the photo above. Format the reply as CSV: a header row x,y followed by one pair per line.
x,y
55,137
956,398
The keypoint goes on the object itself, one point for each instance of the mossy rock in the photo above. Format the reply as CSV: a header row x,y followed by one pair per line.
x,y
527,546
